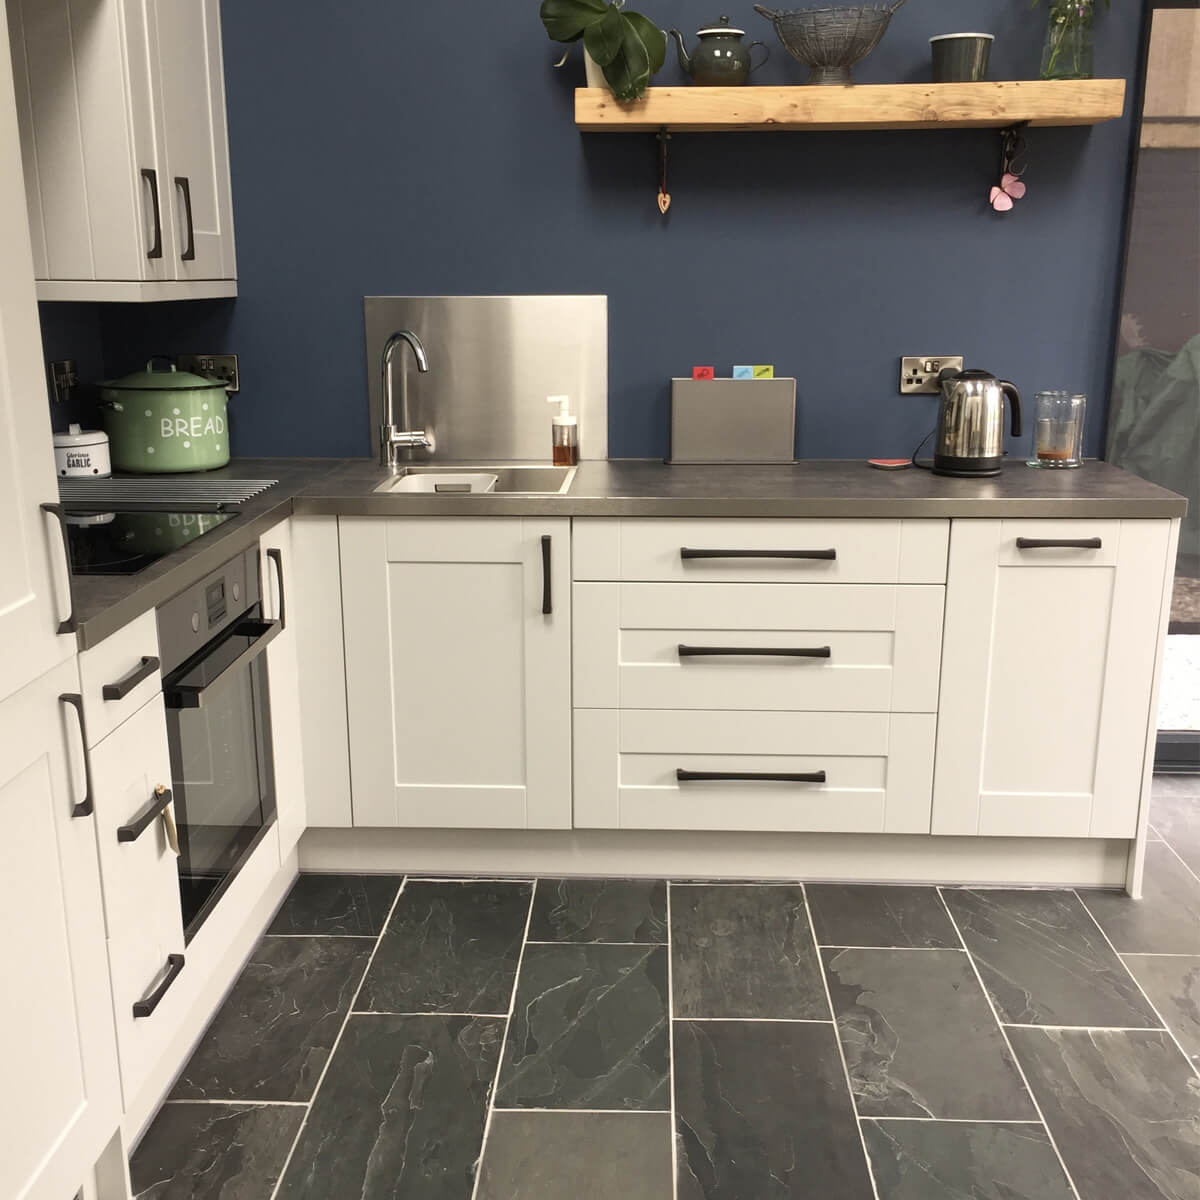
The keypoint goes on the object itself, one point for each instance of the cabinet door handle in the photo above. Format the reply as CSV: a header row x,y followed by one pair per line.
x,y
85,806
751,776
138,826
276,557
189,251
547,598
145,1006
687,552
68,624
1092,543
150,175
126,684
771,651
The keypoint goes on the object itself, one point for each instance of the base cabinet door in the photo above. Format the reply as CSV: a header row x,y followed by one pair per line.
x,y
458,677
1051,640
60,1101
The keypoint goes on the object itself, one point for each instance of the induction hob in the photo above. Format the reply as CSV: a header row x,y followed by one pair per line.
x,y
124,543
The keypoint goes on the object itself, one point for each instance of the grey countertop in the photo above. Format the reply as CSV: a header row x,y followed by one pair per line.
x,y
624,487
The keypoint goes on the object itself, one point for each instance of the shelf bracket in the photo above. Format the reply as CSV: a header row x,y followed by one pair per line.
x,y
664,197
1012,167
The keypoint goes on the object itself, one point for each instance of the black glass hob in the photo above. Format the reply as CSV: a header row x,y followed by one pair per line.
x,y
124,543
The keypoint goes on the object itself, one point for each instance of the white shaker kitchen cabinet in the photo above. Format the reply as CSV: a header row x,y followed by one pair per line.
x,y
458,671
123,137
280,598
1050,646
61,1100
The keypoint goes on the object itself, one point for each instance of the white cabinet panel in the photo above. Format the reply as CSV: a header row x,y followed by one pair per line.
x,y
458,682
1048,665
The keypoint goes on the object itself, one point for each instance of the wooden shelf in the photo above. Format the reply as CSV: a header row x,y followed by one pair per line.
x,y
869,106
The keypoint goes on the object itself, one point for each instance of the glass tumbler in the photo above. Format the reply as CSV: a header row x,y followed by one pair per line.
x,y
1057,429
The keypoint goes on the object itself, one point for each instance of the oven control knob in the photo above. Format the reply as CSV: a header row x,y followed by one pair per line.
x,y
237,591
195,622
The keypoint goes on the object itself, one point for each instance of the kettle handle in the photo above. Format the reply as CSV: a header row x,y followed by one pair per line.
x,y
1014,406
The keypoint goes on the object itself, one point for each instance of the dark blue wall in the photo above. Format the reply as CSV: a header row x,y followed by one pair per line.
x,y
386,147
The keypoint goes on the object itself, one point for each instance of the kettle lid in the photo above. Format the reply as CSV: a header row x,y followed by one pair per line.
x,y
720,27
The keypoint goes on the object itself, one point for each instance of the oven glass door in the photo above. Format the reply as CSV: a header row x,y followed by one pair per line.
x,y
218,727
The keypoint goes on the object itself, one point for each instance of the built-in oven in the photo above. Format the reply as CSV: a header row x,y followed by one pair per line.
x,y
211,641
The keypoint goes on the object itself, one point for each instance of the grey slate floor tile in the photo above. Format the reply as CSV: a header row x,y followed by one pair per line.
x,y
1123,1108
851,914
1176,818
762,1113
400,1114
337,904
577,1156
919,1037
744,951
589,1030
1165,921
213,1151
449,947
939,1160
1043,960
272,1036
1173,984
599,910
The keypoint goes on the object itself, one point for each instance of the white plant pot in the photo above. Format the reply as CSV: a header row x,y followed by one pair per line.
x,y
595,72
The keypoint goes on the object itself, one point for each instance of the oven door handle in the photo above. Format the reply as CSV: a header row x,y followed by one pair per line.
x,y
181,695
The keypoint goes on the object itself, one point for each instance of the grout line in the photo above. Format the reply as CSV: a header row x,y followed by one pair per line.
x,y
961,1120
365,936
379,1012
337,1041
601,942
632,1112
1124,954
470,879
762,1020
1165,1027
512,1004
826,946
671,1050
253,1103
840,1048
1087,1028
1037,1108
1182,861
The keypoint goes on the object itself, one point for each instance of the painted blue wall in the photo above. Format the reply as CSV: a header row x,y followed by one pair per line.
x,y
385,147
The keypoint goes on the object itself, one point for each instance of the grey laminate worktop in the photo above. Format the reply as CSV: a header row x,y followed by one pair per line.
x,y
630,488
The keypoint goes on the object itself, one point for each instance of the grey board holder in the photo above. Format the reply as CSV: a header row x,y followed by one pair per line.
x,y
733,420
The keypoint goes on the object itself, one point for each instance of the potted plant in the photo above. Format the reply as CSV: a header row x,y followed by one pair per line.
x,y
626,46
1067,53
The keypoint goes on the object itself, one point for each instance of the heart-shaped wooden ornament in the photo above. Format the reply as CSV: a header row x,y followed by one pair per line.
x,y
664,202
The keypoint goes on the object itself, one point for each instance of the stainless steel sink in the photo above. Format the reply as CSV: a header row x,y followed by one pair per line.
x,y
478,480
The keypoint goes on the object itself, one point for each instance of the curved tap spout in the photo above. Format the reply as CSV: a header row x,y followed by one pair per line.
x,y
389,436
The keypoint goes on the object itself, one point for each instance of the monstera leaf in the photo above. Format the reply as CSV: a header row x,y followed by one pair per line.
x,y
628,46
566,20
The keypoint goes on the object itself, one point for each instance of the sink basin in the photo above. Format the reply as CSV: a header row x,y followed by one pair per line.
x,y
443,481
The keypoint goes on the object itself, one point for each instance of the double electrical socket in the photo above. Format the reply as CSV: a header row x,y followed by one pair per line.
x,y
216,366
919,375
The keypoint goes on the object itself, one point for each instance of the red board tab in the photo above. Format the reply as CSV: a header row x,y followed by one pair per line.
x,y
889,464
702,372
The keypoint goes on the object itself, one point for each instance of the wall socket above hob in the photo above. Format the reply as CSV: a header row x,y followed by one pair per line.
x,y
919,375
216,366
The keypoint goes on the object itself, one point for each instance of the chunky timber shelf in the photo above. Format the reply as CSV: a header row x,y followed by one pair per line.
x,y
861,106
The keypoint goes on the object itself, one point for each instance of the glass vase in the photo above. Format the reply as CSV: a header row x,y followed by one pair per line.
x,y
1067,53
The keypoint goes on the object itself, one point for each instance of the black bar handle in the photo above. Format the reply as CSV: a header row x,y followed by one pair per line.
x,y
189,251
191,695
276,556
125,685
760,776
772,651
68,624
135,829
150,175
547,597
1092,543
145,1006
86,805
688,552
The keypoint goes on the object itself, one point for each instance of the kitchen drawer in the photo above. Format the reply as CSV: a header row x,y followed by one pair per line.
x,y
126,665
1011,553
877,771
777,551
870,648
140,877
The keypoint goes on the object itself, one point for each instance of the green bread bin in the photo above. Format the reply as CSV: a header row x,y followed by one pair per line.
x,y
161,421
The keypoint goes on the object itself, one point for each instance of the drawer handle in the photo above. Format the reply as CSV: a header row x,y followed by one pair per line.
x,y
135,829
772,651
687,552
1092,543
547,596
751,776
68,624
85,806
276,557
147,1005
122,688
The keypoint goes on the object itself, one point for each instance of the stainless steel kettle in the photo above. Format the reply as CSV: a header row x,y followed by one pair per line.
x,y
970,428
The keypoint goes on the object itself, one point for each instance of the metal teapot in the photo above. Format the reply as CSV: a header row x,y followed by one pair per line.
x,y
721,59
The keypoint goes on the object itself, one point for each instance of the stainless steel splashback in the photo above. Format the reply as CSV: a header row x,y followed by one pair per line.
x,y
493,360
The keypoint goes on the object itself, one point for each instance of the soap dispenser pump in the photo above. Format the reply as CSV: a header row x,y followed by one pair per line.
x,y
565,433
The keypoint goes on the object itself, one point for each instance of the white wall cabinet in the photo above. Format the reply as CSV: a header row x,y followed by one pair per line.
x,y
1048,675
458,671
123,136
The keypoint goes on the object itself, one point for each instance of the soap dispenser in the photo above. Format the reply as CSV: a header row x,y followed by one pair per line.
x,y
565,433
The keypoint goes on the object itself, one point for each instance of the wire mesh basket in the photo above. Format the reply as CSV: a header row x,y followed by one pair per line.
x,y
830,40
